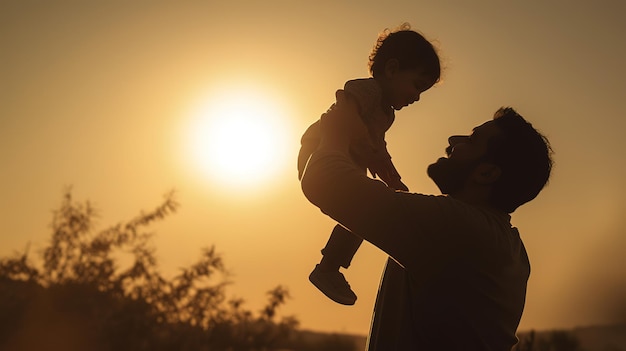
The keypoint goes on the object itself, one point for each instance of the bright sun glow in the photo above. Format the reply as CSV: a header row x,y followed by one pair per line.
x,y
238,138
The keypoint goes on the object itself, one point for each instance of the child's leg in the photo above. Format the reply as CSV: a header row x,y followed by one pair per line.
x,y
340,248
338,252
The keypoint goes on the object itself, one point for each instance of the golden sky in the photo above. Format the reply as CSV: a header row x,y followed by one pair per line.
x,y
108,98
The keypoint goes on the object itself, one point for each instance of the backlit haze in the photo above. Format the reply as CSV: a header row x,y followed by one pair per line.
x,y
114,98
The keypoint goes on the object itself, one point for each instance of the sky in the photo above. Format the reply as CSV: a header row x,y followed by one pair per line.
x,y
121,100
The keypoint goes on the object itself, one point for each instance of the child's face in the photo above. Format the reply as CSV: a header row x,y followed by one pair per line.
x,y
403,87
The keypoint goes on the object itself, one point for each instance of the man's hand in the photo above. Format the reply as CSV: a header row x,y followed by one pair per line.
x,y
342,125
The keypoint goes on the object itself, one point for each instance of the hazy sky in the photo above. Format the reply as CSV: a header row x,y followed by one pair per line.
x,y
102,97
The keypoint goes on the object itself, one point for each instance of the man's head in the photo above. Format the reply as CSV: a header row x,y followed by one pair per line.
x,y
505,160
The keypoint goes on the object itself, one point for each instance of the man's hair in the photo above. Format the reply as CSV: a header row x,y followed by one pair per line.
x,y
525,157
407,46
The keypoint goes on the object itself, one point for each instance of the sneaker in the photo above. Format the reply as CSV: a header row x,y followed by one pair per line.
x,y
334,285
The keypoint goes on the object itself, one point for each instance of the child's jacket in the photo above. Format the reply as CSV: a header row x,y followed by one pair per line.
x,y
378,119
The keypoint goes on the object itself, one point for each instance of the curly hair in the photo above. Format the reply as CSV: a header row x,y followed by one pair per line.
x,y
407,46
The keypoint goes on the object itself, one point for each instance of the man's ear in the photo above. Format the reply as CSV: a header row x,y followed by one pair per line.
x,y
487,173
392,66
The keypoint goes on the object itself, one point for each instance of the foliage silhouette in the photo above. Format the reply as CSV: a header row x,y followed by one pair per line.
x,y
77,295
557,340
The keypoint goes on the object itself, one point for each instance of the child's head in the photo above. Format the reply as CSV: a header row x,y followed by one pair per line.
x,y
405,63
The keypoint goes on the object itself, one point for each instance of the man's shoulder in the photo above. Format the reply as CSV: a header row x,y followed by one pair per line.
x,y
460,213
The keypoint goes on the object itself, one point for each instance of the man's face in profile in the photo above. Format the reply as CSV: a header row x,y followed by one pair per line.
x,y
464,154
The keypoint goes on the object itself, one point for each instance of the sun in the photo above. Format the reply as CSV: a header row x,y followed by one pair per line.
x,y
238,137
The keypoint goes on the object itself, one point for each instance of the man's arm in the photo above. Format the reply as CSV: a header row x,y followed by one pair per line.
x,y
367,207
390,220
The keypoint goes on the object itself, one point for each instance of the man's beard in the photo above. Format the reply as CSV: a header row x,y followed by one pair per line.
x,y
450,175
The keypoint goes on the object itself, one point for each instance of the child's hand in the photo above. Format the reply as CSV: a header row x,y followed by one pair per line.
x,y
383,168
342,125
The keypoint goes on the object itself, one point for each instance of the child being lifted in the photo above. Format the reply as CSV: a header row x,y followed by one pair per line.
x,y
403,65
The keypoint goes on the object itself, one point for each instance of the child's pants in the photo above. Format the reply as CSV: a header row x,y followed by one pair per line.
x,y
341,246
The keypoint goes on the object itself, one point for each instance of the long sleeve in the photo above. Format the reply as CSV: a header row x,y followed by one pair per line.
x,y
392,221
382,167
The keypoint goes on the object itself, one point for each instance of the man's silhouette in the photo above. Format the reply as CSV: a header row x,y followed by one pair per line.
x,y
457,274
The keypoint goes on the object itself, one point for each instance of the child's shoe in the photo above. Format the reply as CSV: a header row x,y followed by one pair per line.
x,y
334,285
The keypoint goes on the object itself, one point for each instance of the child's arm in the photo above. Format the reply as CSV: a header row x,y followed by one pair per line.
x,y
310,141
366,94
382,167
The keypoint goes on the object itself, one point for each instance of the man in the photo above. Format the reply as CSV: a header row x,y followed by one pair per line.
x,y
457,274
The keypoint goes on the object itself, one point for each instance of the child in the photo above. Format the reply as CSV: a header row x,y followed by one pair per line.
x,y
403,64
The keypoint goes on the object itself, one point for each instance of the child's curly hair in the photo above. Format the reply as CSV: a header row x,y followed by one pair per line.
x,y
407,46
